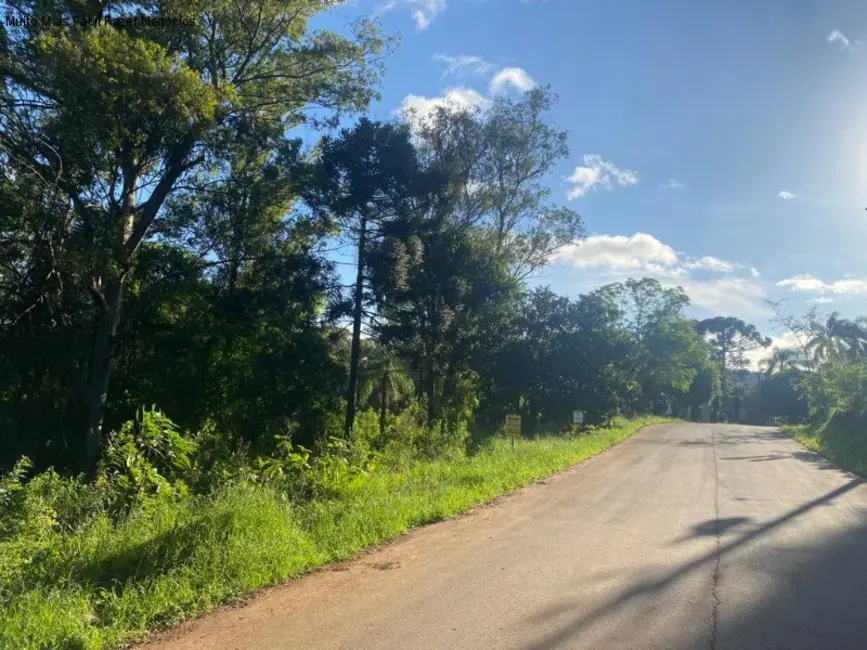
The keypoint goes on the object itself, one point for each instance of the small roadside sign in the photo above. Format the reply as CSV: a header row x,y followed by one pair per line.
x,y
513,426
577,417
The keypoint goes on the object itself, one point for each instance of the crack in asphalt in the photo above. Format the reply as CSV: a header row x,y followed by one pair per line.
x,y
715,601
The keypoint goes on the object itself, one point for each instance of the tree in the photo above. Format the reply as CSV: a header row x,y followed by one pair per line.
x,y
781,395
673,356
383,382
522,377
114,120
837,338
561,355
730,339
782,360
837,389
495,161
443,295
595,364
705,387
362,179
667,352
645,303
799,328
447,272
520,149
256,355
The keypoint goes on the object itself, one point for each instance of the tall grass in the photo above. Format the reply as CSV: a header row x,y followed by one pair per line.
x,y
842,439
111,583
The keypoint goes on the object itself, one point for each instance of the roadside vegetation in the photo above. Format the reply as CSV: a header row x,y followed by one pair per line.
x,y
83,565
841,440
820,385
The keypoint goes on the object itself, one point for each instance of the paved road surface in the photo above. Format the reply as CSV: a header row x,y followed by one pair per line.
x,y
685,536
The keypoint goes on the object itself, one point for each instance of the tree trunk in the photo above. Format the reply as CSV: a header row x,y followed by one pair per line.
x,y
383,404
108,291
108,295
430,392
717,404
432,367
109,300
352,390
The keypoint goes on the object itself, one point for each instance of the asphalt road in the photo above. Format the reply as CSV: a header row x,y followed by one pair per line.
x,y
684,536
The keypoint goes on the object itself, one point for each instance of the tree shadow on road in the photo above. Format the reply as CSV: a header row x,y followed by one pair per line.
x,y
713,527
817,598
814,459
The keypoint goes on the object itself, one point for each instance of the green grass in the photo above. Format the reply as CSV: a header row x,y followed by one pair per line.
x,y
112,583
841,439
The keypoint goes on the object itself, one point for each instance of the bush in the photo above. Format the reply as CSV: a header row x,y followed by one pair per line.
x,y
146,458
11,496
836,388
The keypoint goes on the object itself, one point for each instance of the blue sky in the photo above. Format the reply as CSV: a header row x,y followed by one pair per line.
x,y
721,146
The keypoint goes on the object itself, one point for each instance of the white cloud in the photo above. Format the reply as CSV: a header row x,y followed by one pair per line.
x,y
838,36
463,64
423,11
598,172
417,108
733,289
583,180
672,184
516,77
786,196
620,253
785,341
725,296
710,263
806,283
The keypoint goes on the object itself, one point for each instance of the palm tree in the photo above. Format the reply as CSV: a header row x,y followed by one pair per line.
x,y
783,360
382,381
838,338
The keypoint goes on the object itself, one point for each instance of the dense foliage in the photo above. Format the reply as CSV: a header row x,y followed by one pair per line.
x,y
824,376
824,383
830,366
164,239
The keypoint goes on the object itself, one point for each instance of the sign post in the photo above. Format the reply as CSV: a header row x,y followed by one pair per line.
x,y
577,417
513,427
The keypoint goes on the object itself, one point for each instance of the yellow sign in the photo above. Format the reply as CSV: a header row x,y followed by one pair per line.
x,y
513,426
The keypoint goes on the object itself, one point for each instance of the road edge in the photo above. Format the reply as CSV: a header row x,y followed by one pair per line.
x,y
852,473
239,602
